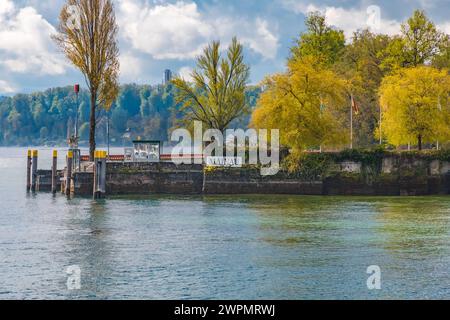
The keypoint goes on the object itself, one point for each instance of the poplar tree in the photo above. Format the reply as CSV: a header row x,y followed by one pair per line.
x,y
87,34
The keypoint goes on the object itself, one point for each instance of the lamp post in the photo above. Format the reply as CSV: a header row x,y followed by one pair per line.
x,y
107,129
74,141
76,89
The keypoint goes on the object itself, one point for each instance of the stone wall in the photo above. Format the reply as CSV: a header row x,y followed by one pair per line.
x,y
397,176
392,176
148,178
249,180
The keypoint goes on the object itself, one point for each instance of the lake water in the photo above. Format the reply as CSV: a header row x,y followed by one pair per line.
x,y
218,247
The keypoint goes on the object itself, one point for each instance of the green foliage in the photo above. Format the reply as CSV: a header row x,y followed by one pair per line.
x,y
363,67
442,59
307,166
320,40
368,158
216,97
317,166
43,117
428,155
361,64
313,166
418,44
308,104
416,106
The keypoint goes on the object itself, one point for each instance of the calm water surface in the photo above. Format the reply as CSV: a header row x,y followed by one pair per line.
x,y
218,247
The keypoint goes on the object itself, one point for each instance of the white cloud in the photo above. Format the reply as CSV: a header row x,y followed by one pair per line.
x,y
25,44
5,87
180,31
444,27
185,73
6,7
170,31
349,19
130,67
265,42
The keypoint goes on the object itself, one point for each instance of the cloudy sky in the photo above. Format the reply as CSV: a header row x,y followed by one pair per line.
x,y
159,34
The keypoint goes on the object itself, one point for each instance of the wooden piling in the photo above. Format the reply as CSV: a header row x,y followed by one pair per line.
x,y
54,170
103,175
28,170
69,172
99,174
34,165
94,185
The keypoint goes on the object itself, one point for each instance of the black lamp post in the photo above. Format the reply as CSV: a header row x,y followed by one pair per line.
x,y
107,129
76,89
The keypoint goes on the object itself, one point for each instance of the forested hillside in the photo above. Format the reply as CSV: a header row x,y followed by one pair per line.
x,y
44,118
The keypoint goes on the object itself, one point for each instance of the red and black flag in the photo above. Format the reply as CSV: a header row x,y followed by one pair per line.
x,y
355,106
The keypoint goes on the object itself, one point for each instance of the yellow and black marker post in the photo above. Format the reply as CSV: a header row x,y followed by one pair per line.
x,y
34,166
54,170
29,170
99,174
69,172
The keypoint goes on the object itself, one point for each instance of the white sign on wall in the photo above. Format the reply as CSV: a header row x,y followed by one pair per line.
x,y
224,162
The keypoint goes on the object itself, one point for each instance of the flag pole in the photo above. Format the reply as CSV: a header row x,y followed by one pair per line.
x,y
440,109
381,135
107,129
351,122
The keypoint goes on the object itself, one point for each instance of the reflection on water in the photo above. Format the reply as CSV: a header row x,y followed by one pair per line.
x,y
246,247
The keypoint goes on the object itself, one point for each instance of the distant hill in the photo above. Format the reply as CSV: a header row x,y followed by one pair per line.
x,y
45,118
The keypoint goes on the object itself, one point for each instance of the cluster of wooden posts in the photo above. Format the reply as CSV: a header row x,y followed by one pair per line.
x,y
99,172
32,162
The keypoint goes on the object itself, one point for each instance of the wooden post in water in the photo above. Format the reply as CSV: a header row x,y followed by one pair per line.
x,y
69,172
103,175
94,189
28,170
34,164
54,170
99,174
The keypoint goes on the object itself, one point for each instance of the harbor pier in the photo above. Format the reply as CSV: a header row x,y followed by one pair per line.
x,y
393,174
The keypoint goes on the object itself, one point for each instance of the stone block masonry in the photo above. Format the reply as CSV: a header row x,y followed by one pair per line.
x,y
149,178
392,176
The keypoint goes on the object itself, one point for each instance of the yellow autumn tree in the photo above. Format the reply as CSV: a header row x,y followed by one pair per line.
x,y
308,104
415,106
87,34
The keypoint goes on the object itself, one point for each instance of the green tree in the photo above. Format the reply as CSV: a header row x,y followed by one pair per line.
x,y
418,44
442,60
421,39
416,106
217,95
129,99
118,119
91,45
320,40
360,63
308,104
